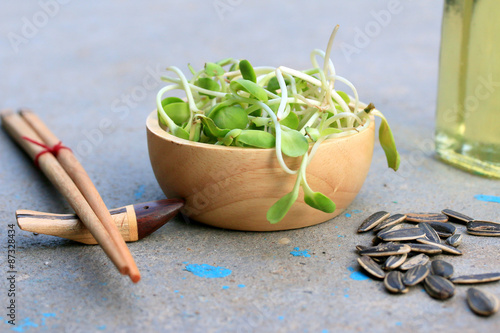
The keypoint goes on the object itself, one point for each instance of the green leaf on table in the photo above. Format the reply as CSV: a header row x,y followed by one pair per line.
x,y
210,129
293,143
229,117
208,84
213,69
255,138
279,209
291,121
176,109
319,201
247,71
250,87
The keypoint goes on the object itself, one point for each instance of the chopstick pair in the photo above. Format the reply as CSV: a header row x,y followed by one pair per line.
x,y
68,176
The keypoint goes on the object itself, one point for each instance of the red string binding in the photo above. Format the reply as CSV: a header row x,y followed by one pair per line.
x,y
54,150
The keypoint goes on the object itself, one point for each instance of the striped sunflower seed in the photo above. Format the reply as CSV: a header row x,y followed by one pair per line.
x,y
424,248
415,275
454,216
454,240
438,287
476,278
373,220
386,249
444,247
441,268
394,262
393,282
483,228
371,267
419,259
443,229
403,234
426,217
430,233
390,221
481,302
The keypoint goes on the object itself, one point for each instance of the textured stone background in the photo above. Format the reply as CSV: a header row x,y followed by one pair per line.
x,y
83,64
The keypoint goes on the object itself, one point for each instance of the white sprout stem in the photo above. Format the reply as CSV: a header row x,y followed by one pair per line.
x,y
277,129
309,123
329,50
196,88
284,94
163,114
301,75
338,116
185,85
257,70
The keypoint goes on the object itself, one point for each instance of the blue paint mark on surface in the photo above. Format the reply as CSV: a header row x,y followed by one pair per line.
x,y
325,331
357,211
101,328
140,192
357,275
207,271
398,323
185,262
346,295
487,198
176,291
340,236
25,324
241,286
47,315
225,287
347,215
281,317
297,253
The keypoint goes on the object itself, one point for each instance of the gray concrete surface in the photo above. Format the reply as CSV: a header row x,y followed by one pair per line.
x,y
80,64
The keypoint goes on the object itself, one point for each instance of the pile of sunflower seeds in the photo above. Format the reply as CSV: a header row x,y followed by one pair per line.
x,y
400,254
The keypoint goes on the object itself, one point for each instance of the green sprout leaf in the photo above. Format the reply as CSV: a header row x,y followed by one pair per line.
x,y
180,133
230,117
213,69
387,142
255,138
230,136
247,71
261,121
319,201
279,209
291,121
176,109
250,87
210,129
293,143
344,96
209,84
273,84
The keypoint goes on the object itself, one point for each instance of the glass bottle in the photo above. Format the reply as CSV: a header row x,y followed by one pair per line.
x,y
468,106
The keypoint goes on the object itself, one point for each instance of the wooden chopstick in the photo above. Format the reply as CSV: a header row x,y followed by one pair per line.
x,y
18,129
78,174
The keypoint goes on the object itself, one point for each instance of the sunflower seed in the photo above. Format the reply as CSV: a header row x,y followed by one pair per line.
x,y
430,233
441,268
476,278
386,249
376,241
394,262
454,240
371,267
443,229
402,234
372,221
426,217
454,216
481,302
415,275
360,247
444,247
439,287
419,259
390,221
483,228
424,248
393,282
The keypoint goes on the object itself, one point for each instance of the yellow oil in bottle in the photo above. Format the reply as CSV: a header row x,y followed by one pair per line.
x,y
468,108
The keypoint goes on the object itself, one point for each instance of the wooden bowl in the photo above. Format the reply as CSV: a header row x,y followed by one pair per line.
x,y
233,187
